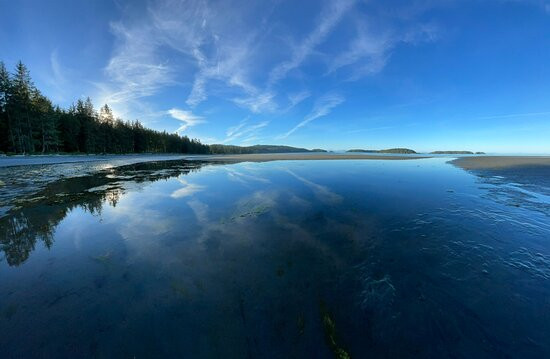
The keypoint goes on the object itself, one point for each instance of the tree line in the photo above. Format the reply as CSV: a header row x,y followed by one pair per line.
x,y
31,124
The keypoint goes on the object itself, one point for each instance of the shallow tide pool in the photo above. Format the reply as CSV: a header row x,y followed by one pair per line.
x,y
283,259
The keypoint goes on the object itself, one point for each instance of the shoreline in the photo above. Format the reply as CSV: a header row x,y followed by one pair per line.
x,y
28,160
265,157
466,163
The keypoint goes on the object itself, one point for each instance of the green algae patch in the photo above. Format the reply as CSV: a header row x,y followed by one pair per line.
x,y
253,212
331,337
248,210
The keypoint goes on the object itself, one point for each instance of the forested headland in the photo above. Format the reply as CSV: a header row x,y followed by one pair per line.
x,y
389,150
241,150
31,124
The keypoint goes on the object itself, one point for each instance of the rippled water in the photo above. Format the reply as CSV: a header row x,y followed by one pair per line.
x,y
279,259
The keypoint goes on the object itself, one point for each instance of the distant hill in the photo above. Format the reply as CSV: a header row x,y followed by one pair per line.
x,y
390,150
318,150
218,149
452,153
398,150
362,151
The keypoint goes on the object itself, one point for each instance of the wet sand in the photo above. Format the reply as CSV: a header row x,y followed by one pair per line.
x,y
304,156
21,160
500,162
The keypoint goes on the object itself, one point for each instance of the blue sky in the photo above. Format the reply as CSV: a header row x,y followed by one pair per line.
x,y
428,75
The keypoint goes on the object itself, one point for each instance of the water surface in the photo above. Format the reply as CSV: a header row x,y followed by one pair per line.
x,y
278,259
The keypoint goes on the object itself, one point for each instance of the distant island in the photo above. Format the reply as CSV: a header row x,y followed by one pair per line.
x,y
398,150
318,150
362,151
389,150
409,151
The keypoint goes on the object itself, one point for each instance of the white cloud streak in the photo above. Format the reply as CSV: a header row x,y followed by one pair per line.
x,y
322,108
369,51
298,97
329,18
188,118
514,115
58,80
244,132
257,102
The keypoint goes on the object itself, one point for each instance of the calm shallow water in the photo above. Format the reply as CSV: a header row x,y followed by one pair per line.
x,y
22,176
279,259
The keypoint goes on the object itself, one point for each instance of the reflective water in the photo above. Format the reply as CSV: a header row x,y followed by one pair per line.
x,y
21,176
280,259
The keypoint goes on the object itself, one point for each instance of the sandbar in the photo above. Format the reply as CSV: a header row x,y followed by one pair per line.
x,y
500,162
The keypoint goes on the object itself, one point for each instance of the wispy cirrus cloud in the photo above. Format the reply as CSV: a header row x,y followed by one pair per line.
x,y
235,129
244,132
176,39
257,103
135,70
187,117
369,51
322,108
258,100
367,48
514,115
329,18
58,79
297,97
223,50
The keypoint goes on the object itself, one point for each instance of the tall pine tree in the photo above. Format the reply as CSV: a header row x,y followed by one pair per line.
x,y
22,87
7,139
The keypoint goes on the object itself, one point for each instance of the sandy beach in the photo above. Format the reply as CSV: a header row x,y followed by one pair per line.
x,y
500,162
